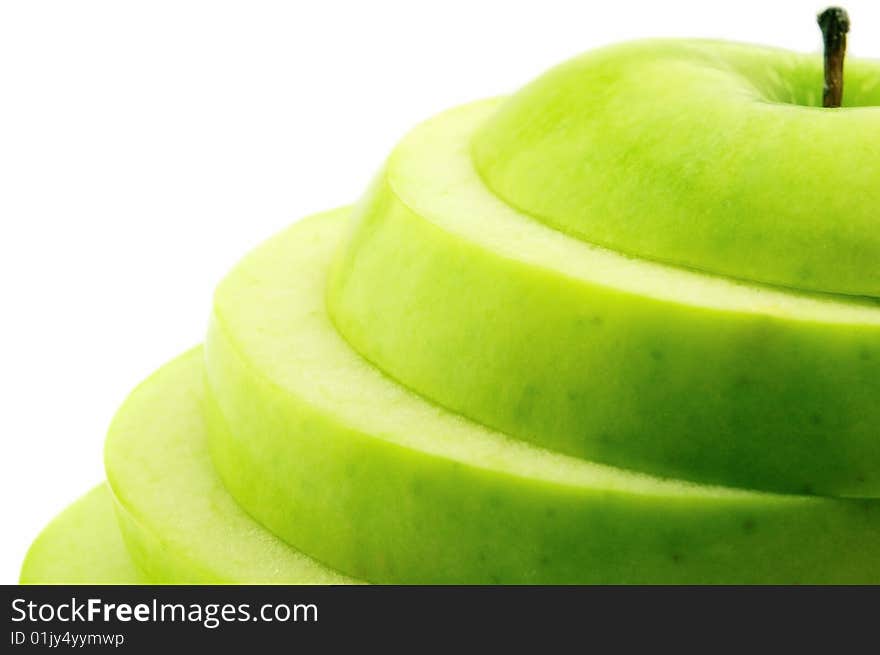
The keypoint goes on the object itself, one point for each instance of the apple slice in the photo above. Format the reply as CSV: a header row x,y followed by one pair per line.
x,y
371,479
180,524
82,545
592,353
713,155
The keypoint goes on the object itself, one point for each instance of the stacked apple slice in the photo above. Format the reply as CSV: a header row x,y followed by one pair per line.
x,y
565,337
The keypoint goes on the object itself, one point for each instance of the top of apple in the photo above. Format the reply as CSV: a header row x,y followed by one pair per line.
x,y
712,155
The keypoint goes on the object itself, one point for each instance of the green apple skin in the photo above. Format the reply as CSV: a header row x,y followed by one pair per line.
x,y
180,524
585,351
711,155
82,545
371,479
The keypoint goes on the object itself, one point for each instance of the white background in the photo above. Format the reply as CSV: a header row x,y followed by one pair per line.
x,y
145,146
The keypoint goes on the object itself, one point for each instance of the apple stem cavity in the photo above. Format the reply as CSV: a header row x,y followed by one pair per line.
x,y
834,23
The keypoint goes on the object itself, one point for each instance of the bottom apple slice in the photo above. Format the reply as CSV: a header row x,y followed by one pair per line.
x,y
366,476
178,521
82,545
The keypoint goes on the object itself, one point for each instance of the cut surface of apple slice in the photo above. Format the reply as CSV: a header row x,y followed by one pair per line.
x,y
589,352
82,545
364,475
180,524
713,155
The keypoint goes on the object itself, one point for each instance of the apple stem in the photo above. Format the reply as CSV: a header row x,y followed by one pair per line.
x,y
834,23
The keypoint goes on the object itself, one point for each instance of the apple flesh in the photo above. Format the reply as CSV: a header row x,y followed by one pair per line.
x,y
712,155
364,475
82,545
180,524
588,352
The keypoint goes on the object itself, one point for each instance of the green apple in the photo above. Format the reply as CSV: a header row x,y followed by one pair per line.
x,y
589,352
82,545
717,156
180,524
364,475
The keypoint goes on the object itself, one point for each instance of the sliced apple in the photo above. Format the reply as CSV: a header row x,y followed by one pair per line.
x,y
82,545
373,480
713,155
180,524
592,353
